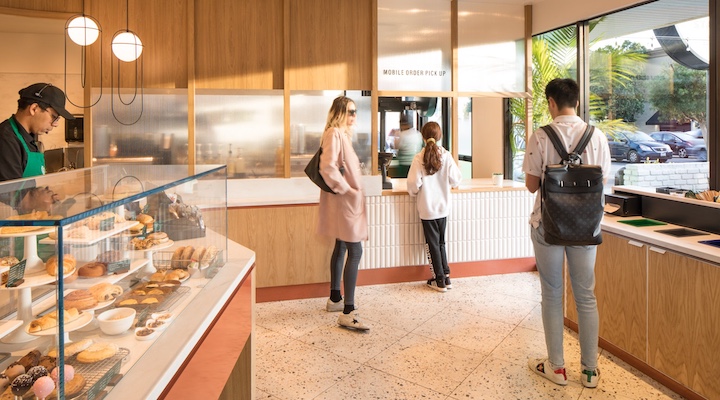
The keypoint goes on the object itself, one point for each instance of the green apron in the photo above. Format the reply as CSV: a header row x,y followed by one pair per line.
x,y
36,160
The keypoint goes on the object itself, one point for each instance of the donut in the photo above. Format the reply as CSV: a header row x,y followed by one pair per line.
x,y
97,352
21,384
93,270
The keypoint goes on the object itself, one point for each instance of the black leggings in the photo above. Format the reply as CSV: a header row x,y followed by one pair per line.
x,y
355,251
435,238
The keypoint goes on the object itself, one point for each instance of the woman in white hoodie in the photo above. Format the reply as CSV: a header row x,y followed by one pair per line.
x,y
432,173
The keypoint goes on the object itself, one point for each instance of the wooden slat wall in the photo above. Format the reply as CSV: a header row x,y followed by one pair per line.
x,y
330,46
65,6
160,25
239,44
275,234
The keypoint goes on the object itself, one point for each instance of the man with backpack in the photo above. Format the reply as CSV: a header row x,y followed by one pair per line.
x,y
563,99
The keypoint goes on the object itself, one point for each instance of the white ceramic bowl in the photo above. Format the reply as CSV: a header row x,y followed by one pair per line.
x,y
157,325
151,333
116,320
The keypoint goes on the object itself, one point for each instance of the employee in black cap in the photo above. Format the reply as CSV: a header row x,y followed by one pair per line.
x,y
39,109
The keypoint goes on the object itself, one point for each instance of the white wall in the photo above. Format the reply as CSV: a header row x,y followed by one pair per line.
x,y
552,14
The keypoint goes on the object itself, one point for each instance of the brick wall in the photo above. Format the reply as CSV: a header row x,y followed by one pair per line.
x,y
691,176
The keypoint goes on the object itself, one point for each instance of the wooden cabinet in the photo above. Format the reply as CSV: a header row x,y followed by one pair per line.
x,y
684,320
620,276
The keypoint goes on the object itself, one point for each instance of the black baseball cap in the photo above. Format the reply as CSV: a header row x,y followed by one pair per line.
x,y
48,94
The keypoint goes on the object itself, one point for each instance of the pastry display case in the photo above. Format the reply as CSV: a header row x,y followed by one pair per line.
x,y
96,263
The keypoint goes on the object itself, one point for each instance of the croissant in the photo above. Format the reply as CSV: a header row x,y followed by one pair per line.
x,y
50,320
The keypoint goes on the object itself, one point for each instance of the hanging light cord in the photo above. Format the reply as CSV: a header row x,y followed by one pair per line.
x,y
83,74
138,78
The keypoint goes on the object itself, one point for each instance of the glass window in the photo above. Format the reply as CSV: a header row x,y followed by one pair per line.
x,y
465,135
152,129
308,115
648,73
554,56
491,53
414,45
243,129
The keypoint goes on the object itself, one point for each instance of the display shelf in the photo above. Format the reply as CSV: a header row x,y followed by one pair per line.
x,y
95,235
150,267
85,283
8,326
33,262
83,319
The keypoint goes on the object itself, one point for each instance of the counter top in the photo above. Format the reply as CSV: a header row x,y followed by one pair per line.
x,y
685,245
650,192
467,185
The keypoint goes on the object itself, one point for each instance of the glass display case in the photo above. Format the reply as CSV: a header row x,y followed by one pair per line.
x,y
95,264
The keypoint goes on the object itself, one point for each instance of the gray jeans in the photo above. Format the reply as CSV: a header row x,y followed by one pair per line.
x,y
581,267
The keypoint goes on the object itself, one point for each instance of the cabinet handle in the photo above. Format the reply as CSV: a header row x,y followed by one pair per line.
x,y
657,250
636,244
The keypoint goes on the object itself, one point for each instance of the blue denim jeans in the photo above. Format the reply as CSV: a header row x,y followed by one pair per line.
x,y
581,267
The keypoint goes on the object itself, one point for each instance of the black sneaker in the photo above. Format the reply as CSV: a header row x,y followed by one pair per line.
x,y
435,285
448,284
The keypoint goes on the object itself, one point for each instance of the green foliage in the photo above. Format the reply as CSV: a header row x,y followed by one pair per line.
x,y
680,94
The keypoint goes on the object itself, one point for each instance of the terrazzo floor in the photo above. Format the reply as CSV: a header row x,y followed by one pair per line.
x,y
472,342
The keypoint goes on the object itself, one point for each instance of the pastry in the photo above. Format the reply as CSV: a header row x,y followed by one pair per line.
x,y
37,371
4,382
43,386
150,300
209,256
8,261
48,362
146,220
175,259
160,237
95,221
93,270
30,360
81,232
73,387
105,291
14,370
128,302
50,320
158,276
185,258
176,275
21,384
198,254
80,299
155,291
137,228
72,348
97,352
68,264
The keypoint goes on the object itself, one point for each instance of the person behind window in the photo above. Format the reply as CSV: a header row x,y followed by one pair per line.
x,y
342,213
409,143
432,173
563,98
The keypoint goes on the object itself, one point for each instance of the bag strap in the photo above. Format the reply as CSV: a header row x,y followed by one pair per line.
x,y
584,140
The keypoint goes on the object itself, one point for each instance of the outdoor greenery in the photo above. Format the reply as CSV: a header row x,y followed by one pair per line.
x,y
680,93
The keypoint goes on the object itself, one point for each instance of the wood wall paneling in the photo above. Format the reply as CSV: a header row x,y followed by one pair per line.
x,y
239,44
161,27
285,253
683,321
330,45
18,6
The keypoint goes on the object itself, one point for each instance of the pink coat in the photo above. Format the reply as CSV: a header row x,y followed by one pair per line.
x,y
342,215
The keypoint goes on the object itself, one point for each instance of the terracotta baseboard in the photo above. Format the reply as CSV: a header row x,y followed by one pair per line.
x,y
397,275
642,367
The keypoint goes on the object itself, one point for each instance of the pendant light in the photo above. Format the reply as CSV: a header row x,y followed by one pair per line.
x,y
83,30
127,47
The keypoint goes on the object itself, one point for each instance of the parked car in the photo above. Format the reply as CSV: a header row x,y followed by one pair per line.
x,y
636,147
682,145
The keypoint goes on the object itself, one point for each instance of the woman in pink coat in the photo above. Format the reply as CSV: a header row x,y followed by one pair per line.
x,y
342,214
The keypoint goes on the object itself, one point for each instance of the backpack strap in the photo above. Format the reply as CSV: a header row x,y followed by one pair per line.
x,y
584,140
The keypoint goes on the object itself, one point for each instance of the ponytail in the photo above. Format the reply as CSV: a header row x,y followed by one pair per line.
x,y
431,133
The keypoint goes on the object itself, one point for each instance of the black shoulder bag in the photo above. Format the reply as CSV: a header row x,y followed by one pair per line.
x,y
312,170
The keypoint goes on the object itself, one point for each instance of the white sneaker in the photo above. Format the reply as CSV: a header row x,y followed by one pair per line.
x,y
352,321
332,306
590,377
434,285
543,368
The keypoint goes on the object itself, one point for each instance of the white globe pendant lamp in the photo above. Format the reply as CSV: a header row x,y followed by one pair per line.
x,y
127,46
82,30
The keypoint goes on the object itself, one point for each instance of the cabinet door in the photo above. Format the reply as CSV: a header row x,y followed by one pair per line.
x,y
620,277
684,320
